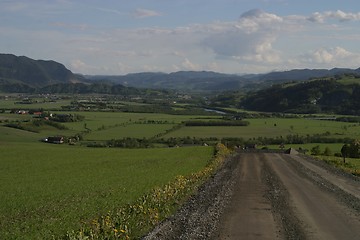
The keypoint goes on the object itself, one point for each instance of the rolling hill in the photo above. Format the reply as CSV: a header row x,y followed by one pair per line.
x,y
333,95
23,71
212,81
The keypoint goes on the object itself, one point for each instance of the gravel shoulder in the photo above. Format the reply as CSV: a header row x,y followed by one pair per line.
x,y
269,196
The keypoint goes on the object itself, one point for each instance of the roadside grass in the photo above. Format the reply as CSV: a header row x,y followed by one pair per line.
x,y
48,189
334,147
351,165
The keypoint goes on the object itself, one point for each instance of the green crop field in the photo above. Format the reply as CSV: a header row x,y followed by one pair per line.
x,y
12,104
48,189
130,130
334,147
95,120
273,127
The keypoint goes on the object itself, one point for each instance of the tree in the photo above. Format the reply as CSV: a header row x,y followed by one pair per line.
x,y
327,152
315,150
345,150
354,149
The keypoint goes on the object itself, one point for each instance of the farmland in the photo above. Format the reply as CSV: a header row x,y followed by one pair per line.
x,y
50,189
54,188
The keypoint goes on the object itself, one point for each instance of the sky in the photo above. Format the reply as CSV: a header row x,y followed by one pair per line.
x,y
117,37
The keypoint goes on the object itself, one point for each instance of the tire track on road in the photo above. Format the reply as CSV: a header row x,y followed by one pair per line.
x,y
321,213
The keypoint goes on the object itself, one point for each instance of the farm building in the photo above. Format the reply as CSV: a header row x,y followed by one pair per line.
x,y
56,140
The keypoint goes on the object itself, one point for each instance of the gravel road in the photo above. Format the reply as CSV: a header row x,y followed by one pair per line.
x,y
269,196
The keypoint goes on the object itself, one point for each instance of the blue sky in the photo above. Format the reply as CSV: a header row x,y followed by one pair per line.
x,y
230,36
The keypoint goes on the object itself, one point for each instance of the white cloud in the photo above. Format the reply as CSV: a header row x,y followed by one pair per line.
x,y
256,41
332,57
145,13
337,15
187,65
251,42
255,20
78,66
250,39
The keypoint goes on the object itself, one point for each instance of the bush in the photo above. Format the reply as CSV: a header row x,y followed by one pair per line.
x,y
315,150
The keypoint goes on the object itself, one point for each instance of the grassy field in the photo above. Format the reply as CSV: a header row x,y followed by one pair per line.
x,y
273,127
334,147
131,130
10,104
49,189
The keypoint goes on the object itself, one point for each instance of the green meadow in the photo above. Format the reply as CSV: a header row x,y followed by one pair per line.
x,y
273,127
14,104
130,130
49,189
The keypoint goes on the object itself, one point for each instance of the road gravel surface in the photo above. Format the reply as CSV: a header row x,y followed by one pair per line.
x,y
269,196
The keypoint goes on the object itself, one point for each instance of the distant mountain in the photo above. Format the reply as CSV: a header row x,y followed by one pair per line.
x,y
25,74
183,80
212,81
24,71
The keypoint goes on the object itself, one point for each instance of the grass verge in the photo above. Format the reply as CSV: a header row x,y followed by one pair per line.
x,y
351,165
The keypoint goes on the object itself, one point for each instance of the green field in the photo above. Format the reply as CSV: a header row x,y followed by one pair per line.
x,y
131,130
334,147
49,189
273,127
12,104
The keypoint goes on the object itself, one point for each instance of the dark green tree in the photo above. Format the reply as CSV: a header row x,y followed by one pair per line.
x,y
345,151
316,150
327,152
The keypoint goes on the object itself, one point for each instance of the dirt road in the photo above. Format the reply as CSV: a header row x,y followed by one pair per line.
x,y
313,206
270,196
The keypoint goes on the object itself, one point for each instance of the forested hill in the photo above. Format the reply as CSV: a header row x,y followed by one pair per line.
x,y
341,96
26,72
